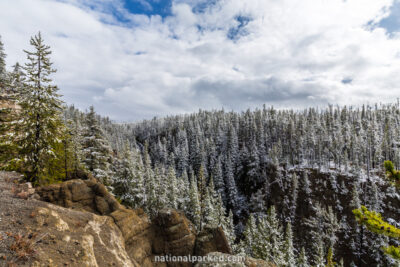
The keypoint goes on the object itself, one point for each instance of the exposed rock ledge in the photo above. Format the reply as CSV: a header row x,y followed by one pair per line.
x,y
79,223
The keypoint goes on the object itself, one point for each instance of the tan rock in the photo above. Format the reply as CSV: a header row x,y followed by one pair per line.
x,y
211,240
87,226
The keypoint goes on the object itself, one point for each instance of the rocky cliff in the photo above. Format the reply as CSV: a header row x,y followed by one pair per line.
x,y
78,223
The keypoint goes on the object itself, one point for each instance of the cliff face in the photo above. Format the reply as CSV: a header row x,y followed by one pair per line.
x,y
78,223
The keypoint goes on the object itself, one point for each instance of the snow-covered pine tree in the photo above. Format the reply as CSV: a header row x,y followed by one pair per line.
x,y
38,134
160,179
302,260
231,188
268,243
208,213
275,238
172,188
218,179
150,185
229,228
247,244
257,202
319,255
293,199
183,189
8,116
194,209
202,193
3,71
127,181
138,188
96,149
219,212
74,141
288,249
356,235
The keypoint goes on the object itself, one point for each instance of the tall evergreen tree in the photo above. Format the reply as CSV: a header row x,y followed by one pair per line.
x,y
289,256
302,260
247,244
38,134
127,181
3,71
172,188
194,210
96,150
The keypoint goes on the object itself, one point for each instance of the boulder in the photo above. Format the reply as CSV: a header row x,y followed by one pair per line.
x,y
211,240
85,195
175,235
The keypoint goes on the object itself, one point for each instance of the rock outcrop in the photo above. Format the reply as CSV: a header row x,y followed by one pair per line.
x,y
212,239
170,233
85,195
78,223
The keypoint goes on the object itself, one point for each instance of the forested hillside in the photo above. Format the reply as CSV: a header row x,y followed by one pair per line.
x,y
282,184
314,166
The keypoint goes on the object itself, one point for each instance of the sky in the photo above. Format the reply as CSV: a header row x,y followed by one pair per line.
x,y
136,59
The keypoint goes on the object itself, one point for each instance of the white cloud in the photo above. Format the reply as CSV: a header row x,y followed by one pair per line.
x,y
291,53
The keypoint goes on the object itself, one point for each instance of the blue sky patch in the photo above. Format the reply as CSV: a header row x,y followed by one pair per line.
x,y
235,33
149,7
347,80
392,22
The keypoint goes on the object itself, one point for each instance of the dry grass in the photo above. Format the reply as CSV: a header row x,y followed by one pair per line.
x,y
22,247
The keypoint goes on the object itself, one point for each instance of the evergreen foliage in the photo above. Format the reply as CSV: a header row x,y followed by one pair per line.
x,y
39,132
374,221
96,150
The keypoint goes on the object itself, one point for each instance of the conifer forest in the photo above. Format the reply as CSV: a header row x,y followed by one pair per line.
x,y
296,187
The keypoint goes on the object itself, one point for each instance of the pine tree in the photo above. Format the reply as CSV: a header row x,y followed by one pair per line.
x,y
183,189
96,150
127,181
160,180
3,71
39,132
274,237
267,242
218,179
289,256
319,258
247,244
257,202
374,222
329,258
202,193
74,142
232,192
294,195
219,212
9,117
194,212
229,229
302,260
208,214
172,188
150,185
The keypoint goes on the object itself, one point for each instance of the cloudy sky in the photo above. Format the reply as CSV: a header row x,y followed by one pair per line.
x,y
135,59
